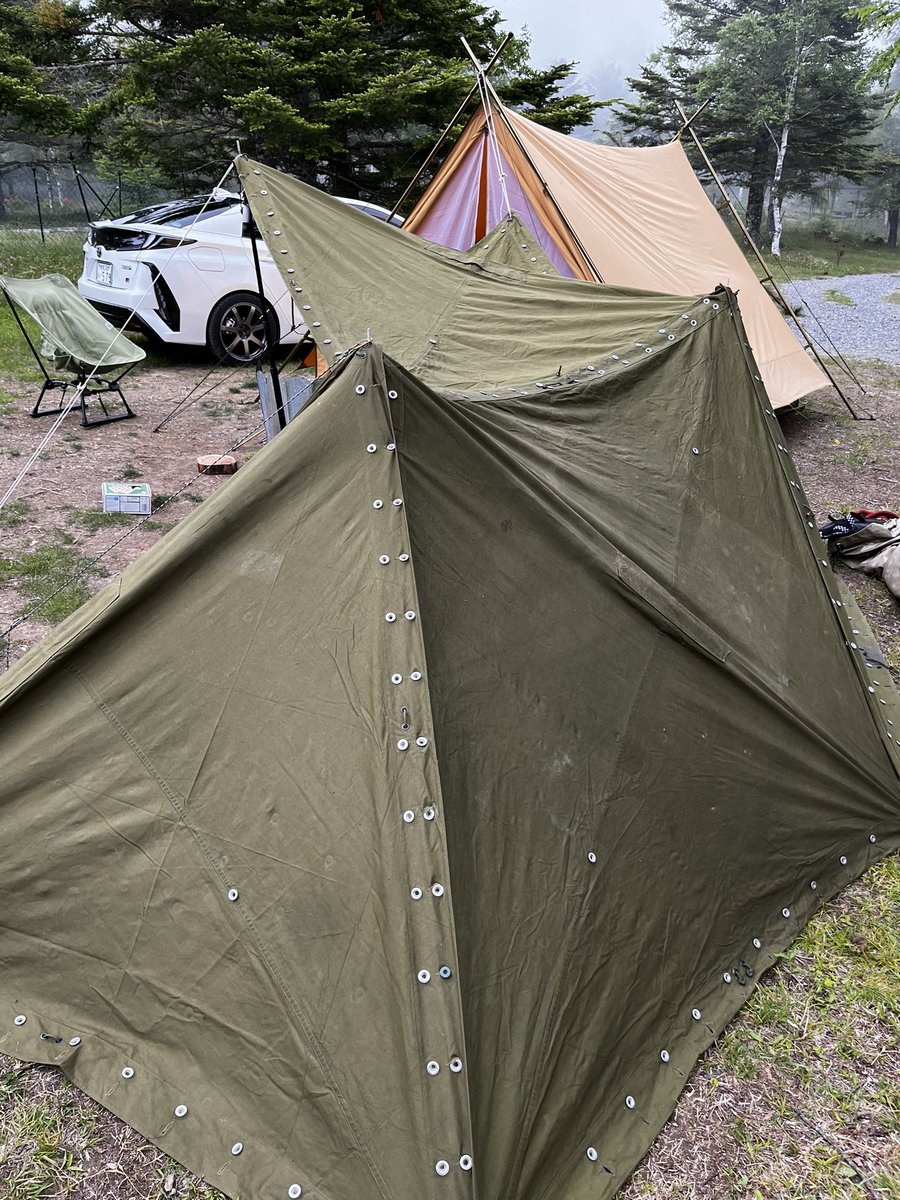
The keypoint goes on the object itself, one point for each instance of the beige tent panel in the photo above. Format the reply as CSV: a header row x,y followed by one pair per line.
x,y
646,222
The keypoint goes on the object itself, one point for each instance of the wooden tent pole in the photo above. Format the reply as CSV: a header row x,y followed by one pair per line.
x,y
750,242
437,145
598,278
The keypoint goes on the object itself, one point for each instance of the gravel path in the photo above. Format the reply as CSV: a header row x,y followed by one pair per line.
x,y
867,327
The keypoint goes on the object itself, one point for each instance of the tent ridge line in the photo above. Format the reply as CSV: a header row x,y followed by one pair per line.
x,y
174,799
434,782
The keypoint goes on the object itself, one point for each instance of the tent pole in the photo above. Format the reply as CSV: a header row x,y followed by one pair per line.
x,y
598,278
750,242
271,327
437,145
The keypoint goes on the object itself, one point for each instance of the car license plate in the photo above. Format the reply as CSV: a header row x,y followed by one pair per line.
x,y
103,273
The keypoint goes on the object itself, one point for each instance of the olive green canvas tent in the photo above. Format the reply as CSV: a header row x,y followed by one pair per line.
x,y
408,820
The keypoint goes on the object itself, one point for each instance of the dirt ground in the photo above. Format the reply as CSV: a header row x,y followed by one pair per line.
x,y
59,500
843,463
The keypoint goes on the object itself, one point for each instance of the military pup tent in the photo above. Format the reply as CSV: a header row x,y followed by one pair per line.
x,y
407,821
629,216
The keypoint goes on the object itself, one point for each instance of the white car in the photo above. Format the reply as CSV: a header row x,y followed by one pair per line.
x,y
183,272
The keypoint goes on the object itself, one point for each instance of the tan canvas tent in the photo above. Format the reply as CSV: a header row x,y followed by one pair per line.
x,y
627,216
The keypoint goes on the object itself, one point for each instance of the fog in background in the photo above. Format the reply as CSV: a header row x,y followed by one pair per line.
x,y
610,40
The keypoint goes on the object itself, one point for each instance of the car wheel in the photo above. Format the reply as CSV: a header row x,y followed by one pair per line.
x,y
239,328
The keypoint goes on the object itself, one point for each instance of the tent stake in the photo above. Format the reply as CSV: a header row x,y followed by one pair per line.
x,y
437,145
750,242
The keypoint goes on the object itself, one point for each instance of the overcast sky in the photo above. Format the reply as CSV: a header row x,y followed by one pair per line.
x,y
594,31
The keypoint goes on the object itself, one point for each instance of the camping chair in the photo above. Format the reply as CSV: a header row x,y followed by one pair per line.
x,y
76,341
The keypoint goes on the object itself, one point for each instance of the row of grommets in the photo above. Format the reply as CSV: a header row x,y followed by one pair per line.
x,y
613,360
741,975
180,1111
444,972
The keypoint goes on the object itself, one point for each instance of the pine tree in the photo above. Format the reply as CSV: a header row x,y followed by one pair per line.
x,y
346,95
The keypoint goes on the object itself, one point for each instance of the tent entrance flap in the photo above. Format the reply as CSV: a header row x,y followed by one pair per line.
x,y
78,349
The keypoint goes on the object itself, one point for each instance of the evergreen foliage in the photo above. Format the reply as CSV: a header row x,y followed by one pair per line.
x,y
349,96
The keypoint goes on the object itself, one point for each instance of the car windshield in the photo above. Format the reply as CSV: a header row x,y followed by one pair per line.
x,y
183,212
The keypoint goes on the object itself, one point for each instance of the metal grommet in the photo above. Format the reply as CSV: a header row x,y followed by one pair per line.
x,y
409,816
785,912
428,814
629,1101
360,389
694,450
237,1148
384,559
415,676
872,838
843,860
696,1014
256,171
290,271
128,1072
371,448
264,191
390,618
727,976
465,1162
295,1191
398,503
392,395
591,1153
813,884
410,615
433,1067
402,744
20,1020
424,976
437,890
233,894
716,307
391,447
421,741
445,972
693,323
306,307
592,857
757,943
706,299
664,1055
416,893
181,1110
670,337
402,558
378,504
396,679
456,1065
76,1041
442,1167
